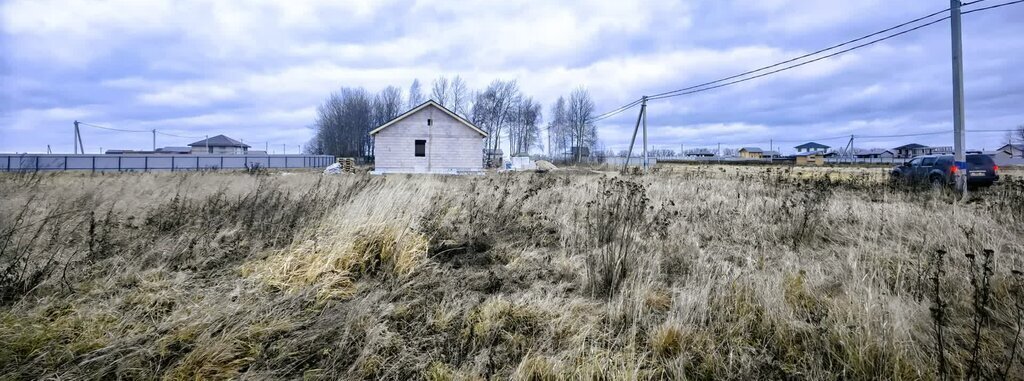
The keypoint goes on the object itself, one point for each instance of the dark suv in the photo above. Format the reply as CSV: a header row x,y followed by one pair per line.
x,y
939,170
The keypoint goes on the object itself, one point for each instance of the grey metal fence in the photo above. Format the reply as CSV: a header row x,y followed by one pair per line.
x,y
156,162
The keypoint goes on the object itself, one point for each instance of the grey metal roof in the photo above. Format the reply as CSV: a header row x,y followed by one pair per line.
x,y
751,149
871,152
174,149
911,146
771,153
812,145
219,141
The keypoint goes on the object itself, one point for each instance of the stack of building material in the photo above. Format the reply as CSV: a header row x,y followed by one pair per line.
x,y
348,164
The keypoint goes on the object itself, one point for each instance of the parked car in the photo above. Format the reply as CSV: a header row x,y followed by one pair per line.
x,y
939,170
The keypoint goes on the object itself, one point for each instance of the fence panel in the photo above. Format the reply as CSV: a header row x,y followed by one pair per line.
x,y
161,162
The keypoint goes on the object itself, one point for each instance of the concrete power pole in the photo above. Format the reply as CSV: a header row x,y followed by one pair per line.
x,y
74,141
643,112
154,140
959,135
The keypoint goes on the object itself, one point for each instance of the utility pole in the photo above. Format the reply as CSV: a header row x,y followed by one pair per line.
x,y
284,150
154,140
643,113
632,141
208,144
74,141
719,153
959,135
266,146
771,150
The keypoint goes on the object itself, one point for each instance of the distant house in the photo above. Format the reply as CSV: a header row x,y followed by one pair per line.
x,y
810,158
875,154
220,144
494,158
911,150
1014,150
811,147
428,139
124,152
701,152
751,153
770,154
174,150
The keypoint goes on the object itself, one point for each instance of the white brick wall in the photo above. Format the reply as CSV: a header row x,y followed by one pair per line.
x,y
451,146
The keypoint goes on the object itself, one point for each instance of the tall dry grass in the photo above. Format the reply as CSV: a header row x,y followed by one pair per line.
x,y
691,272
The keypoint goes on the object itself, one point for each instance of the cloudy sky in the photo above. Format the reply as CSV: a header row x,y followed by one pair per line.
x,y
256,70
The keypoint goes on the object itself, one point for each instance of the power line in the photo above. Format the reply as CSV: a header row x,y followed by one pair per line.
x,y
702,87
806,62
179,136
617,111
109,128
803,56
991,6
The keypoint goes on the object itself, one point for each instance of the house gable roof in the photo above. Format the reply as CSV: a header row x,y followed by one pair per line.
x,y
911,146
219,141
751,149
423,106
812,145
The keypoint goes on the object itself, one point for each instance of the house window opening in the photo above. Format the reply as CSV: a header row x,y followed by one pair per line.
x,y
421,148
430,122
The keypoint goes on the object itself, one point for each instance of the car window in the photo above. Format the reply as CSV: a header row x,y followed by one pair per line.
x,y
927,162
915,162
979,160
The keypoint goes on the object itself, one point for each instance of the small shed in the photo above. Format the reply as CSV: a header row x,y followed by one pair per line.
x,y
810,158
428,139
751,153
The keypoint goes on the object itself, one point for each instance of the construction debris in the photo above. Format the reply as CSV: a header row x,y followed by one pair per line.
x,y
544,166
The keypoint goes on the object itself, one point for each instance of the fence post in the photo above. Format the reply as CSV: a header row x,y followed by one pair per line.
x,y
172,163
37,163
222,162
145,164
65,163
93,164
119,164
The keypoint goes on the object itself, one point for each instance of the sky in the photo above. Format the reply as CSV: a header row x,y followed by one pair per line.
x,y
257,70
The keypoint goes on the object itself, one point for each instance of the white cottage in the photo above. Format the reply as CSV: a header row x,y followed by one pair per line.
x,y
428,139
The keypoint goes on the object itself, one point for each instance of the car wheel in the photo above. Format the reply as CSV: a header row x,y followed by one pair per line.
x,y
936,181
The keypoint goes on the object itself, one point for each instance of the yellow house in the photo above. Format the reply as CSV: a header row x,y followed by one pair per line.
x,y
810,158
751,153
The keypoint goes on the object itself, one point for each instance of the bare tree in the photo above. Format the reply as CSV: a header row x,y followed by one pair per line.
x,y
387,105
492,109
523,132
579,119
415,95
458,96
343,123
440,92
1018,136
557,138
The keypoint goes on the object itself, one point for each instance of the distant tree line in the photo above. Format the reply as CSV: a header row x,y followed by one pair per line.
x,y
346,117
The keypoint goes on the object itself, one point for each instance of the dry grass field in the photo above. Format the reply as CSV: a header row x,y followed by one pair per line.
x,y
691,272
